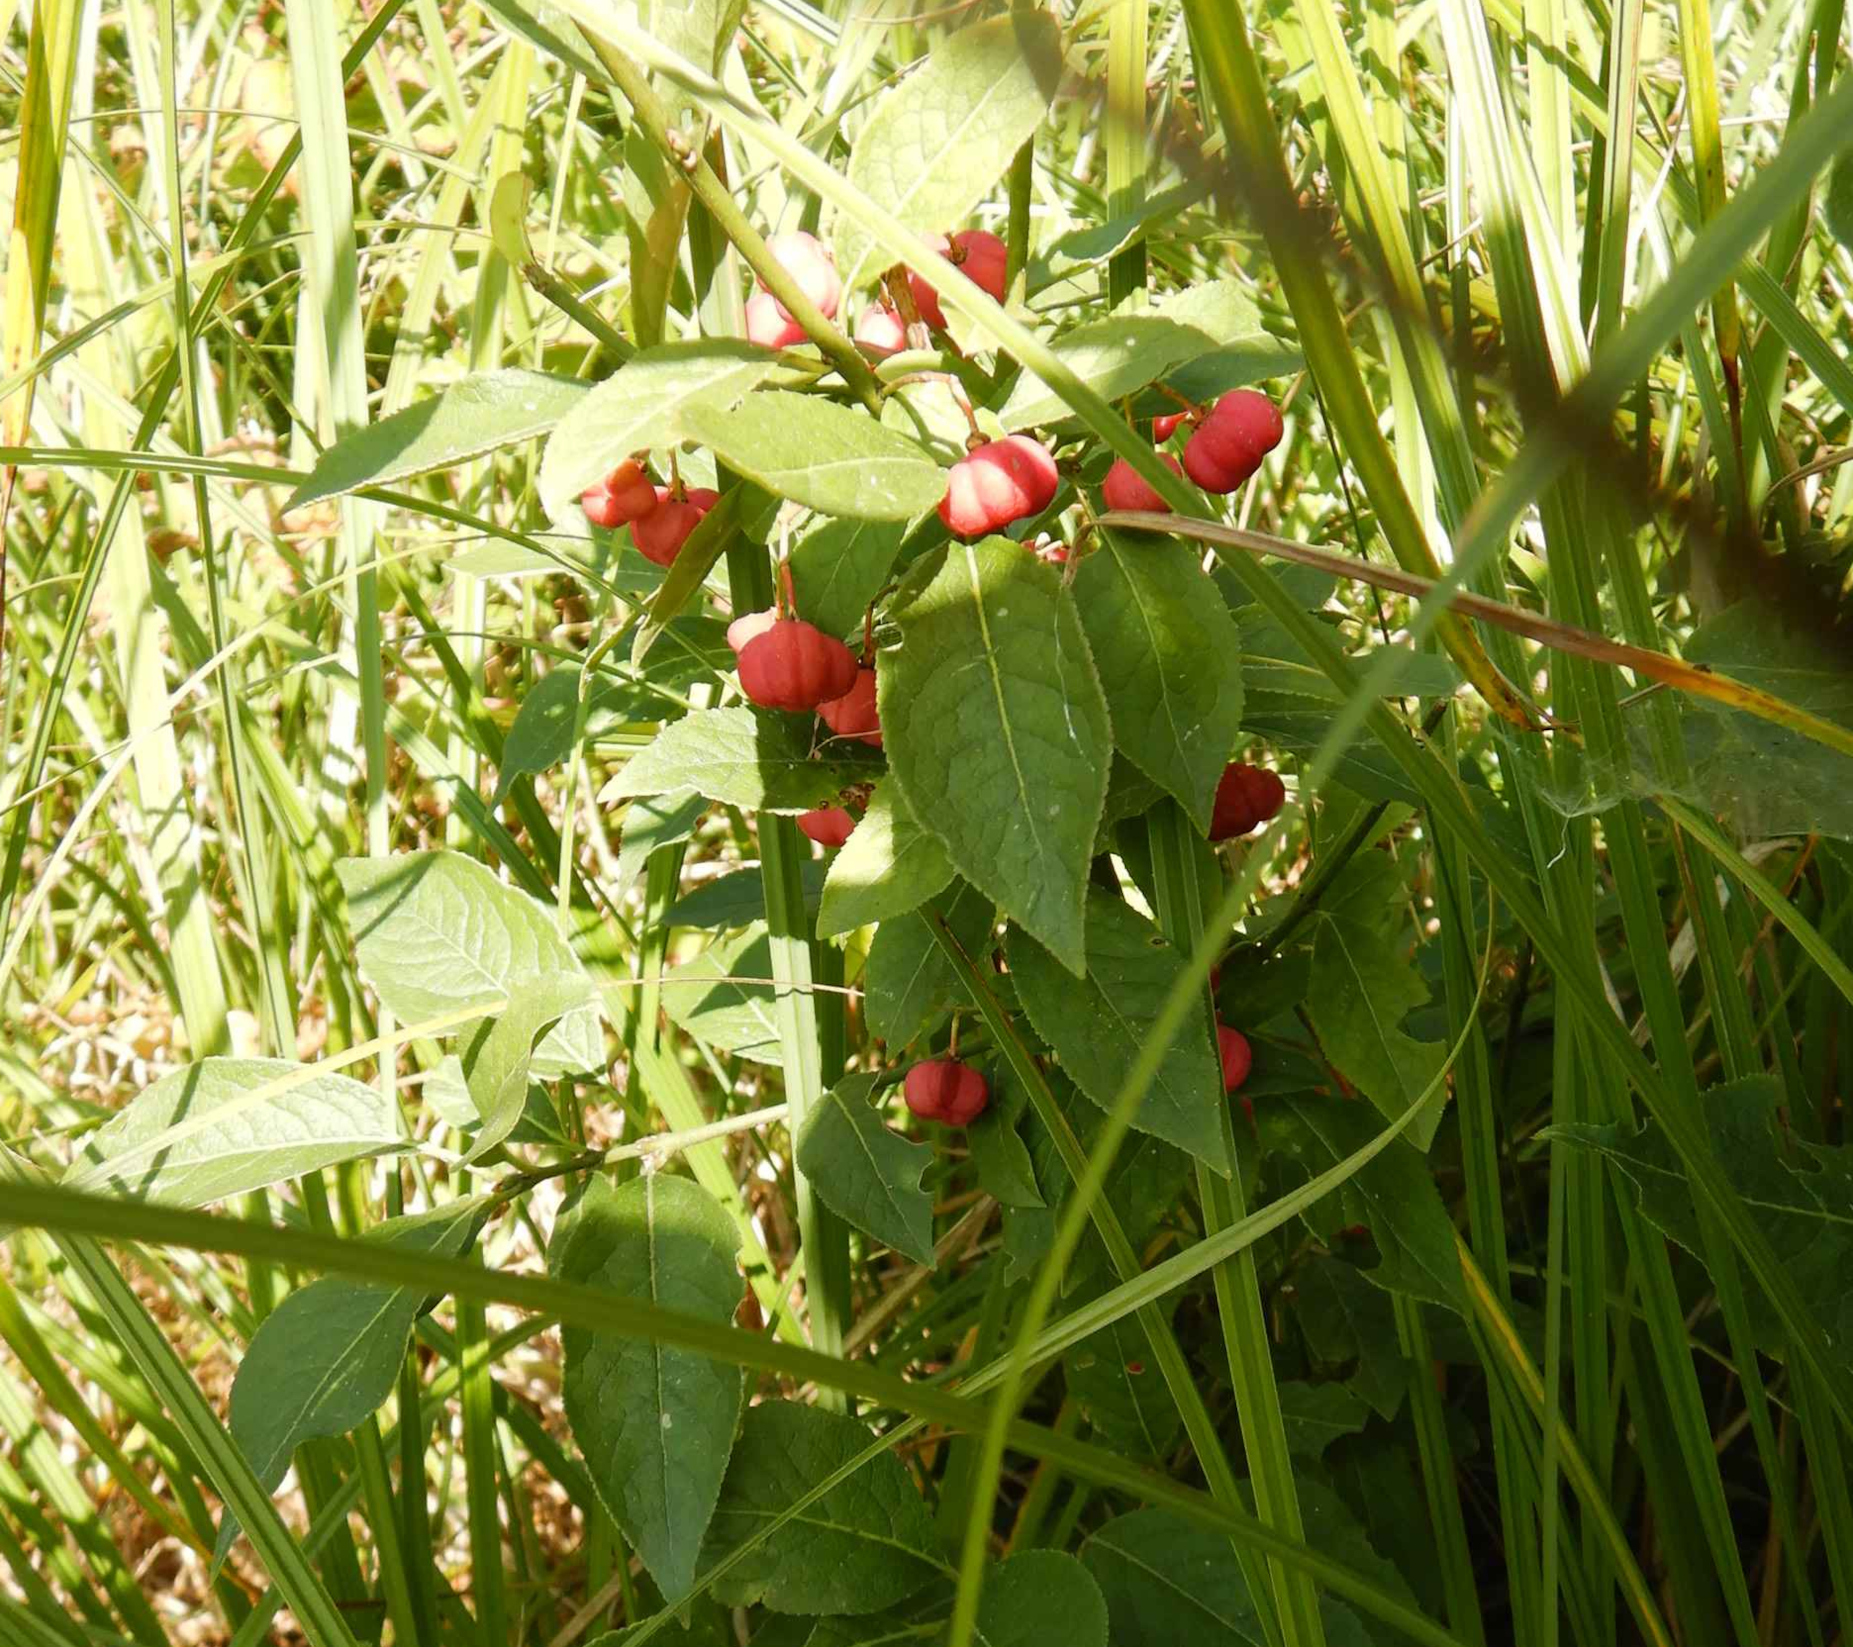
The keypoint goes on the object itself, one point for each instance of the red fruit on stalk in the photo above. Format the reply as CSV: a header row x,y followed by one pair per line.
x,y
1228,445
879,330
621,497
1246,797
811,264
749,624
1237,1058
853,715
769,326
1125,488
997,483
979,255
1165,426
659,535
828,825
946,1091
792,665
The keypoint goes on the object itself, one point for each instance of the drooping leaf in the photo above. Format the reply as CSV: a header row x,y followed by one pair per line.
x,y
462,421
827,457
1098,1025
838,567
1170,661
1113,1377
1167,1580
1765,778
740,757
890,865
502,1057
223,1126
1392,1196
863,1546
909,983
326,1358
937,144
996,731
1361,989
656,1425
1347,1320
701,996
1126,351
739,899
639,407
651,821
999,1156
1316,1415
1041,1598
1801,1194
436,932
865,1171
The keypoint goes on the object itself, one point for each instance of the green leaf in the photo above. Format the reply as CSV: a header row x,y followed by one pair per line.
x,y
741,1018
999,1156
739,899
1098,1026
652,821
503,1053
1041,1598
1393,1195
867,1172
838,568
1170,660
740,757
937,144
326,1358
638,408
890,865
1837,201
1316,1415
1168,1581
996,730
656,1425
1347,1320
1128,350
827,457
863,1546
1361,989
436,932
1118,1385
1800,1193
477,415
223,1126
542,735
1764,778
909,983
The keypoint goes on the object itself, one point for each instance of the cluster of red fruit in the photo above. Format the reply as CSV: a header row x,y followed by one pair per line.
x,y
810,264
1246,798
1226,446
660,517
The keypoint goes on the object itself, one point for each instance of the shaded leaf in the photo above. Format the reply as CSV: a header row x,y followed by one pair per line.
x,y
999,1156
1170,661
1393,1195
909,983
739,899
1112,1375
1041,1598
503,1053
996,731
890,865
656,1425
652,821
1097,1026
867,1172
740,1018
1316,1415
1167,1580
864,1545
